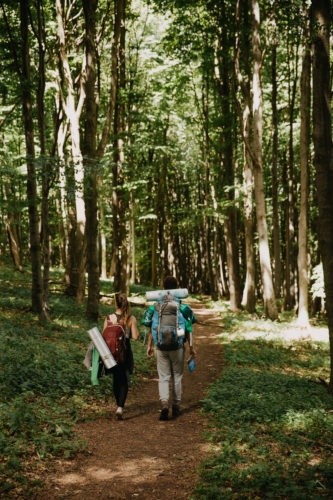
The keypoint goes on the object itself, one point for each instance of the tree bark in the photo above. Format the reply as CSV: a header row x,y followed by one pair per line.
x,y
275,177
302,259
89,160
242,56
222,75
77,247
289,176
264,254
119,202
45,165
27,105
323,156
13,243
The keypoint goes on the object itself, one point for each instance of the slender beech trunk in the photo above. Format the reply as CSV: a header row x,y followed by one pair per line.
x,y
77,247
154,245
90,163
275,177
242,56
45,165
161,211
27,105
305,105
222,75
209,193
103,252
13,242
63,223
264,254
323,149
132,239
119,203
290,209
249,292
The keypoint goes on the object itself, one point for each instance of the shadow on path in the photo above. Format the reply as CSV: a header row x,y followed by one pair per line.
x,y
141,457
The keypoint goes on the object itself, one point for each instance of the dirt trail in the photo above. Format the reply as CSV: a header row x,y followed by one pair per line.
x,y
141,457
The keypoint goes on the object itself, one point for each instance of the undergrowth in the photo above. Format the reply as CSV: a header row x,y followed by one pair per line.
x,y
272,429
272,433
45,388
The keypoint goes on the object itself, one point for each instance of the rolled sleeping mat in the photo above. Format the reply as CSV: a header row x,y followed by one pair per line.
x,y
102,347
178,293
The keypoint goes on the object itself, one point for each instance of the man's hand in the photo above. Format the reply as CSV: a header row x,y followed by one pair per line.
x,y
150,350
193,353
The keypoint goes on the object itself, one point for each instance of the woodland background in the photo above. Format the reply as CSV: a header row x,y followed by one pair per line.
x,y
140,139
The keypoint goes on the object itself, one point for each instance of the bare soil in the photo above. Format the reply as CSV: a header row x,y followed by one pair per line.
x,y
140,456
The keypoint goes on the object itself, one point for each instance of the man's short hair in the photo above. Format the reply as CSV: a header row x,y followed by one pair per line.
x,y
170,283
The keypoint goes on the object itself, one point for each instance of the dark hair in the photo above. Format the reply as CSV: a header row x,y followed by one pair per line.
x,y
122,304
170,283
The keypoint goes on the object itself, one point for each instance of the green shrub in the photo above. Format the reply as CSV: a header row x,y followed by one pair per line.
x,y
273,424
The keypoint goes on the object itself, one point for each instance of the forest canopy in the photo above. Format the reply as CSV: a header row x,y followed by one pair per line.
x,y
145,138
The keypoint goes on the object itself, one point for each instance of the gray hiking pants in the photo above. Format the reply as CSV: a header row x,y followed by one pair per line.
x,y
170,367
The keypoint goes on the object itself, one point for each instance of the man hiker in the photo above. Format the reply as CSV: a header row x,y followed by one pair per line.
x,y
170,325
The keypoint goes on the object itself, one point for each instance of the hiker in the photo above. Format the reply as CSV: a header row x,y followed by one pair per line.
x,y
170,363
124,368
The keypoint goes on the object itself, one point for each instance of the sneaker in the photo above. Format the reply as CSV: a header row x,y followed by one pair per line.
x,y
164,415
175,411
119,413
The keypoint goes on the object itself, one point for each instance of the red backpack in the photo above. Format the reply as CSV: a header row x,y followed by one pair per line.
x,y
114,336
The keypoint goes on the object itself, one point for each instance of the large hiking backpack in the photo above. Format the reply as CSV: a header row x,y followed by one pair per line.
x,y
114,336
168,325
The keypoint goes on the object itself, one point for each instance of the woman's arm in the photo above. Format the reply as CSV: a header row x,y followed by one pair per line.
x,y
134,328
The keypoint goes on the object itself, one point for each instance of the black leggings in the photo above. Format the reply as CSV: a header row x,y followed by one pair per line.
x,y
120,383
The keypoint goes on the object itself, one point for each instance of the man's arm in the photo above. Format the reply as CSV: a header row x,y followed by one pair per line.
x,y
150,349
189,338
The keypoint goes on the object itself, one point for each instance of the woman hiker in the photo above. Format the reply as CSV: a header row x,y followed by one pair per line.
x,y
124,368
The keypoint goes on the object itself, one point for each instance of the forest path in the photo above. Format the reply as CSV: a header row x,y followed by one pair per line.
x,y
142,457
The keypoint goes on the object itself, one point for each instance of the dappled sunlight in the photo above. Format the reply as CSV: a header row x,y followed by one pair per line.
x,y
135,470
283,334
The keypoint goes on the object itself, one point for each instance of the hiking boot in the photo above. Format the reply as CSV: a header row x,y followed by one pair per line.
x,y
119,413
175,411
164,415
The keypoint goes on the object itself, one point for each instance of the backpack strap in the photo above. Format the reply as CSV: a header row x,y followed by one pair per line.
x,y
112,318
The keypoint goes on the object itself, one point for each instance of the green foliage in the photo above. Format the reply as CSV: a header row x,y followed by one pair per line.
x,y
273,423
45,388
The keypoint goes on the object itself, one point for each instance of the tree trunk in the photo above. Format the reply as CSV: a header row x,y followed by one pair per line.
x,y
249,292
275,177
154,249
323,156
76,247
119,203
245,117
290,208
63,199
90,166
103,252
132,239
303,268
264,254
13,243
222,75
46,170
35,250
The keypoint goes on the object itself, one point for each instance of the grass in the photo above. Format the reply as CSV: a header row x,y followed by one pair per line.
x,y
272,433
45,388
272,422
